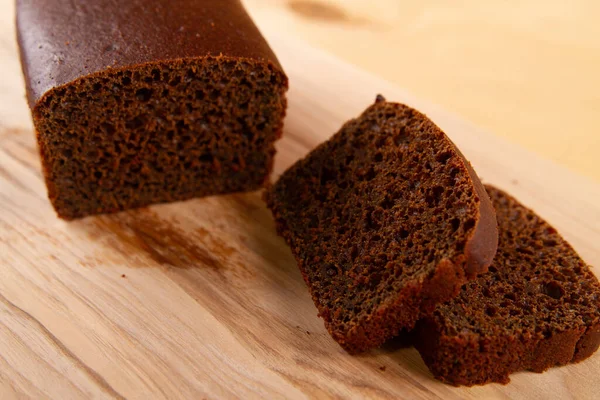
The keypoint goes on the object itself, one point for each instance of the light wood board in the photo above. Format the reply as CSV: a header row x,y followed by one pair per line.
x,y
201,299
524,70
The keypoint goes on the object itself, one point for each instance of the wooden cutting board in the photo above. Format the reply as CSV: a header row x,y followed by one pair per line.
x,y
201,299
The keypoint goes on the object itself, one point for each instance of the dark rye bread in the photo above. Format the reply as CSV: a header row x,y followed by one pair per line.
x,y
145,101
537,307
386,219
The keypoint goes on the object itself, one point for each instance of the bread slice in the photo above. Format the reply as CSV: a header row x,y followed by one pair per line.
x,y
537,307
386,219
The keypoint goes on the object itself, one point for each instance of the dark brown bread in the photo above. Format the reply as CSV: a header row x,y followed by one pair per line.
x,y
144,101
386,219
537,307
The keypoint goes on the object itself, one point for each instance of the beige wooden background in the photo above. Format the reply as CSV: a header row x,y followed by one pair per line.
x,y
527,70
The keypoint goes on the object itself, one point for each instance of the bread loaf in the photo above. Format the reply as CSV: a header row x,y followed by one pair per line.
x,y
146,101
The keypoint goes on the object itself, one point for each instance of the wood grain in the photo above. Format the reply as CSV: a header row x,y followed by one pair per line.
x,y
201,299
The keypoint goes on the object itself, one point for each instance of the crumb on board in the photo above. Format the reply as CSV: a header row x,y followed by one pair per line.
x,y
382,368
307,332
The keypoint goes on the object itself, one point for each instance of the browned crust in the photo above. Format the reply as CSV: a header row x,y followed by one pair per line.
x,y
588,343
79,38
482,247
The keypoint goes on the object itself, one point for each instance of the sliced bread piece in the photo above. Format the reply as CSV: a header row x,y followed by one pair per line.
x,y
386,220
537,307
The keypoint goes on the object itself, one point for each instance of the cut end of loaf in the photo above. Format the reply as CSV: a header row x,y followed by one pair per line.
x,y
159,132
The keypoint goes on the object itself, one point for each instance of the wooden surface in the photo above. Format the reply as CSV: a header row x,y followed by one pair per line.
x,y
201,299
525,70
